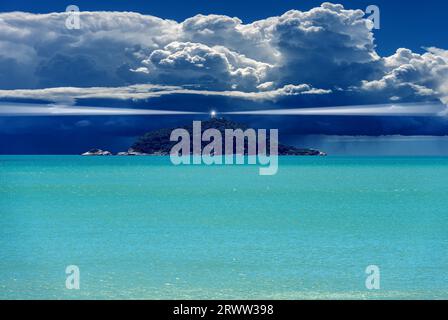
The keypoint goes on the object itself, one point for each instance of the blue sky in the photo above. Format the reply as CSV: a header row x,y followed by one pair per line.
x,y
321,60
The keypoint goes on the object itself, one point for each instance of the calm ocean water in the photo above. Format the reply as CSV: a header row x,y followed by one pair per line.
x,y
139,227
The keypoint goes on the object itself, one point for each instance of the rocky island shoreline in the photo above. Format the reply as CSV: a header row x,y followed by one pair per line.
x,y
157,142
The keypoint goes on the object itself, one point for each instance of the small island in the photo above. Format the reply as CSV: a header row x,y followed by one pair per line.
x,y
97,152
157,142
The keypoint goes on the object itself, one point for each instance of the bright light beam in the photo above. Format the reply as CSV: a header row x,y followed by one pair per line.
x,y
18,109
392,109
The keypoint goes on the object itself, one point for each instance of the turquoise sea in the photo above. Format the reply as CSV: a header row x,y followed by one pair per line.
x,y
142,228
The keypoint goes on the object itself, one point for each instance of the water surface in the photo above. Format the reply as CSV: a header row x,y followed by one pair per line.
x,y
141,228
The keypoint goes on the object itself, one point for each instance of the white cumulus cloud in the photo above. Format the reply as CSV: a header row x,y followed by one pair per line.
x,y
327,50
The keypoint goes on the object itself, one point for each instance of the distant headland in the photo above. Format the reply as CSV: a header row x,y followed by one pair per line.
x,y
157,142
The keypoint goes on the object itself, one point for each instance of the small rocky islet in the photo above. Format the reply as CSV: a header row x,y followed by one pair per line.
x,y
157,142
